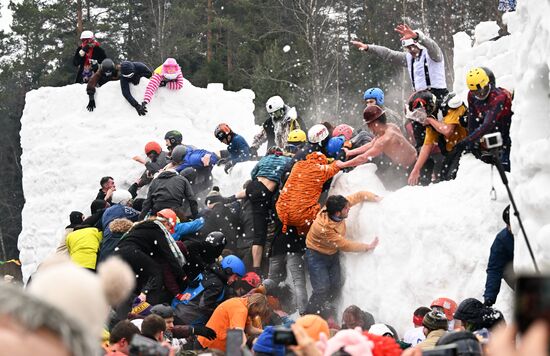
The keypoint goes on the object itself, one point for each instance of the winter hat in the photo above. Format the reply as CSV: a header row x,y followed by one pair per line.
x,y
314,325
352,341
97,205
264,343
372,113
477,315
435,320
120,226
140,309
76,218
213,196
383,345
121,197
163,310
380,330
83,296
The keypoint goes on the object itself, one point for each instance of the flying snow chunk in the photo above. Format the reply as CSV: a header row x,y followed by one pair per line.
x,y
286,48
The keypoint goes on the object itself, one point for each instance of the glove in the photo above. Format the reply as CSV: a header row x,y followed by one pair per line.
x,y
489,302
227,167
461,146
205,331
91,105
81,53
141,110
253,151
162,83
221,161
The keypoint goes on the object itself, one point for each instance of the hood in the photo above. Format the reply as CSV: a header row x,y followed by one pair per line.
x,y
167,174
317,157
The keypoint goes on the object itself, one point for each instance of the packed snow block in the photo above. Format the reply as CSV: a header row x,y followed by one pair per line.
x,y
530,131
434,242
66,149
485,31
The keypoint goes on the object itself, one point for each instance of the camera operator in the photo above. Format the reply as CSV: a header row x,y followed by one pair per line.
x,y
489,111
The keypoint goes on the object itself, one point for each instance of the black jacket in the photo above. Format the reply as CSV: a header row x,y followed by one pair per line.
x,y
149,238
221,218
140,71
98,54
169,190
502,254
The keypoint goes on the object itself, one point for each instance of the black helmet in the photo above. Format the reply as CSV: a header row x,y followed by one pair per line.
x,y
127,69
222,131
163,310
178,153
108,67
217,240
425,99
175,137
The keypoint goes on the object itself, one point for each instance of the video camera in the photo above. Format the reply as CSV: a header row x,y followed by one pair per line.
x,y
492,140
143,346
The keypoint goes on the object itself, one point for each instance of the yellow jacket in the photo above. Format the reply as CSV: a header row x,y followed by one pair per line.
x,y
327,236
83,245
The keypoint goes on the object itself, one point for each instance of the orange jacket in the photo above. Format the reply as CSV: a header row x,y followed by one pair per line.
x,y
327,236
298,202
231,314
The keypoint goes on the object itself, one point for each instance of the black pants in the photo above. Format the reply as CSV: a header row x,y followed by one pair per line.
x,y
261,200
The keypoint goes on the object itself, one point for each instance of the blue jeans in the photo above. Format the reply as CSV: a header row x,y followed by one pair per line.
x,y
325,278
295,264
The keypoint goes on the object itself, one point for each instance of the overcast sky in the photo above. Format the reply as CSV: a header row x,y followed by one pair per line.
x,y
5,18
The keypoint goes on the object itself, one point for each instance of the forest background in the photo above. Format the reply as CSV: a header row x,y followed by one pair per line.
x,y
298,49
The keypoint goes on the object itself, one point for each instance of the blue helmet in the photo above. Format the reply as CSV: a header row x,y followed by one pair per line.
x,y
376,94
334,145
235,264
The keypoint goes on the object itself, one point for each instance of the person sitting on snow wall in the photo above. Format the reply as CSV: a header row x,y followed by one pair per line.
x,y
167,75
87,57
237,147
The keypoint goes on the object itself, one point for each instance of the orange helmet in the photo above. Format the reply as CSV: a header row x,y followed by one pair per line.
x,y
170,216
152,147
222,131
447,304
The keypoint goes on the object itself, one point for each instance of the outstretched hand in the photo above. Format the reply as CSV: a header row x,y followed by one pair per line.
x,y
406,32
360,45
373,244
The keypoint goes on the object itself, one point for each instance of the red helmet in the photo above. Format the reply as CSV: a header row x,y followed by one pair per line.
x,y
252,279
447,304
152,147
222,131
170,216
343,130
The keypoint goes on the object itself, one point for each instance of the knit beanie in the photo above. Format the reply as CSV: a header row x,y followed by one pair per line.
x,y
469,309
314,325
76,218
213,196
479,316
264,343
140,309
97,205
435,320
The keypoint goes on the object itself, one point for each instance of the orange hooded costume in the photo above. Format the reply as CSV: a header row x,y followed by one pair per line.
x,y
298,202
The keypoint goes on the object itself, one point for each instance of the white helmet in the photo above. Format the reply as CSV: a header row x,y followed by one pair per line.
x,y
317,133
274,103
85,35
121,197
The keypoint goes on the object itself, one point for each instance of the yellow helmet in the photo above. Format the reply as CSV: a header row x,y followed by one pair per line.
x,y
297,136
477,79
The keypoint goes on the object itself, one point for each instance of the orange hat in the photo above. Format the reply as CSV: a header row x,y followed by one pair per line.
x,y
314,325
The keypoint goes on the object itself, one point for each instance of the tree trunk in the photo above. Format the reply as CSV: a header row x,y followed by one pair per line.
x,y
229,57
209,31
79,26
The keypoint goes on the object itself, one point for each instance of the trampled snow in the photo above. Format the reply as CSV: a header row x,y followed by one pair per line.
x,y
434,241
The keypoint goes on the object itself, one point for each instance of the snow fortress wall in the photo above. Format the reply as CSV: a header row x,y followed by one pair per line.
x,y
66,149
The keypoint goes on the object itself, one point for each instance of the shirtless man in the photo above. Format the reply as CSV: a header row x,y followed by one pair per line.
x,y
388,142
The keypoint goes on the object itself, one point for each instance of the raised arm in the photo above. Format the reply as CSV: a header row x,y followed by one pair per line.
x,y
375,150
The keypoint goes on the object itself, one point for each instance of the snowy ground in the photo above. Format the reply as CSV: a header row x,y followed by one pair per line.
x,y
434,240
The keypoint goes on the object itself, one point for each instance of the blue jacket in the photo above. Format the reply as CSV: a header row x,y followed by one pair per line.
x,y
238,149
193,158
187,228
109,242
502,253
270,167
